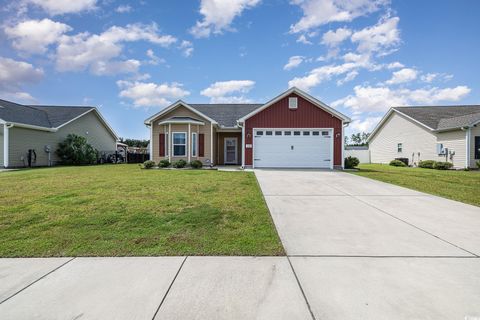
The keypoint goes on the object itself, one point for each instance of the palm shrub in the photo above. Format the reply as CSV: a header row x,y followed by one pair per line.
x,y
164,163
179,164
443,165
351,162
149,164
397,163
428,164
75,150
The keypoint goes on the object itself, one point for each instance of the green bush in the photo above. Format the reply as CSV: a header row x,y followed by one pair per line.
x,y
164,163
351,162
196,164
443,165
75,150
478,163
428,164
179,164
397,163
149,164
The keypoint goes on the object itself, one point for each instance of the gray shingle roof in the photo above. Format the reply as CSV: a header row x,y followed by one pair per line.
x,y
443,117
42,116
225,114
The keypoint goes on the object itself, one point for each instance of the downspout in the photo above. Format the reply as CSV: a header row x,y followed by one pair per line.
x,y
468,131
6,128
344,125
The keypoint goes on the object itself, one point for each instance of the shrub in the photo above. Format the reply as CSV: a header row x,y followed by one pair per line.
x,y
149,164
179,164
75,150
443,165
428,164
351,162
478,163
196,164
397,163
164,163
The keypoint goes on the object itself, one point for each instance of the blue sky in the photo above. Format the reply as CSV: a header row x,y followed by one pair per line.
x,y
133,58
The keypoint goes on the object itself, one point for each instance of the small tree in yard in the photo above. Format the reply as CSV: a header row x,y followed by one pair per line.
x,y
75,150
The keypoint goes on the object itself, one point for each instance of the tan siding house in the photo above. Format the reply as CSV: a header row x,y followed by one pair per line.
x,y
427,133
40,128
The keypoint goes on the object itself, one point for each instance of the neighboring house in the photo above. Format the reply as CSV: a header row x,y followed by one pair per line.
x,y
441,133
292,130
28,132
362,153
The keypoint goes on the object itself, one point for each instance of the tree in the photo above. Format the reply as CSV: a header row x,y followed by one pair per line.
x,y
75,150
358,139
135,142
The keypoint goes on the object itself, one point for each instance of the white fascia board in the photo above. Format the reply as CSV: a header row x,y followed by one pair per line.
x,y
176,105
304,95
29,126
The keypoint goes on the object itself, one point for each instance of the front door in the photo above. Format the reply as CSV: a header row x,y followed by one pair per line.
x,y
230,150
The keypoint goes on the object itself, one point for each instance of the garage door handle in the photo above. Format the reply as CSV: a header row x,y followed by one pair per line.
x,y
291,147
257,159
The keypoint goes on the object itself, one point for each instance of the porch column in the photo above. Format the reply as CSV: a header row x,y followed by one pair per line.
x,y
468,138
151,141
189,144
211,143
243,145
170,137
5,145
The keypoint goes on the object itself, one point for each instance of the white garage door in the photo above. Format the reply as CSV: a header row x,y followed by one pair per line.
x,y
293,148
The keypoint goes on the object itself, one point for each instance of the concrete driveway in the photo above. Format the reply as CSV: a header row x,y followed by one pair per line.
x,y
364,249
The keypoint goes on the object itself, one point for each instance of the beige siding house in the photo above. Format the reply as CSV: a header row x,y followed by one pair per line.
x,y
31,134
440,133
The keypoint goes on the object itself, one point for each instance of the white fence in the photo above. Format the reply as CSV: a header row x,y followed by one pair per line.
x,y
362,154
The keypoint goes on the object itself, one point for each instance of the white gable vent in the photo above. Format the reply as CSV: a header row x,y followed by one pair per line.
x,y
293,103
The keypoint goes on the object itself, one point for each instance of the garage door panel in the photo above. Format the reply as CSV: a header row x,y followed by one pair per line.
x,y
301,151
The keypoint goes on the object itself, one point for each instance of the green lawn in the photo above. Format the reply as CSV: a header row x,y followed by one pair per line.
x,y
462,186
121,210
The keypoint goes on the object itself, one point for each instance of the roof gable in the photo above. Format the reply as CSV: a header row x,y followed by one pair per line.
x,y
304,95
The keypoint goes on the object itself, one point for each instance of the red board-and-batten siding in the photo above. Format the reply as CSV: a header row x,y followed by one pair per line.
x,y
307,115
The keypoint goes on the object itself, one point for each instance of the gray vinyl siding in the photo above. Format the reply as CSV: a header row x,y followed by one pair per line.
x,y
22,139
1,145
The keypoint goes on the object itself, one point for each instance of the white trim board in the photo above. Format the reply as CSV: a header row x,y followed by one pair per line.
x,y
174,106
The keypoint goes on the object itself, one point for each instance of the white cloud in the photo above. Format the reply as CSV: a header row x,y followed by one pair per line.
x,y
187,48
228,91
380,99
293,62
34,36
384,35
334,38
403,75
319,12
96,52
363,125
56,7
430,77
303,39
149,94
123,9
14,75
349,77
218,15
395,65
154,60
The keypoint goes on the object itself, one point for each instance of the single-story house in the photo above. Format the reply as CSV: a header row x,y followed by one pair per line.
x,y
293,130
440,133
31,133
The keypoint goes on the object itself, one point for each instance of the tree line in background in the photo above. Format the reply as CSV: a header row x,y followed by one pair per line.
x,y
135,142
357,139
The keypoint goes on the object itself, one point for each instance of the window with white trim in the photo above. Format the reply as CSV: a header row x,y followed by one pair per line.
x,y
293,103
194,144
179,144
399,147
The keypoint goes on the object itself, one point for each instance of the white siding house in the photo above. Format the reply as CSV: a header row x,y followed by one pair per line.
x,y
424,133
